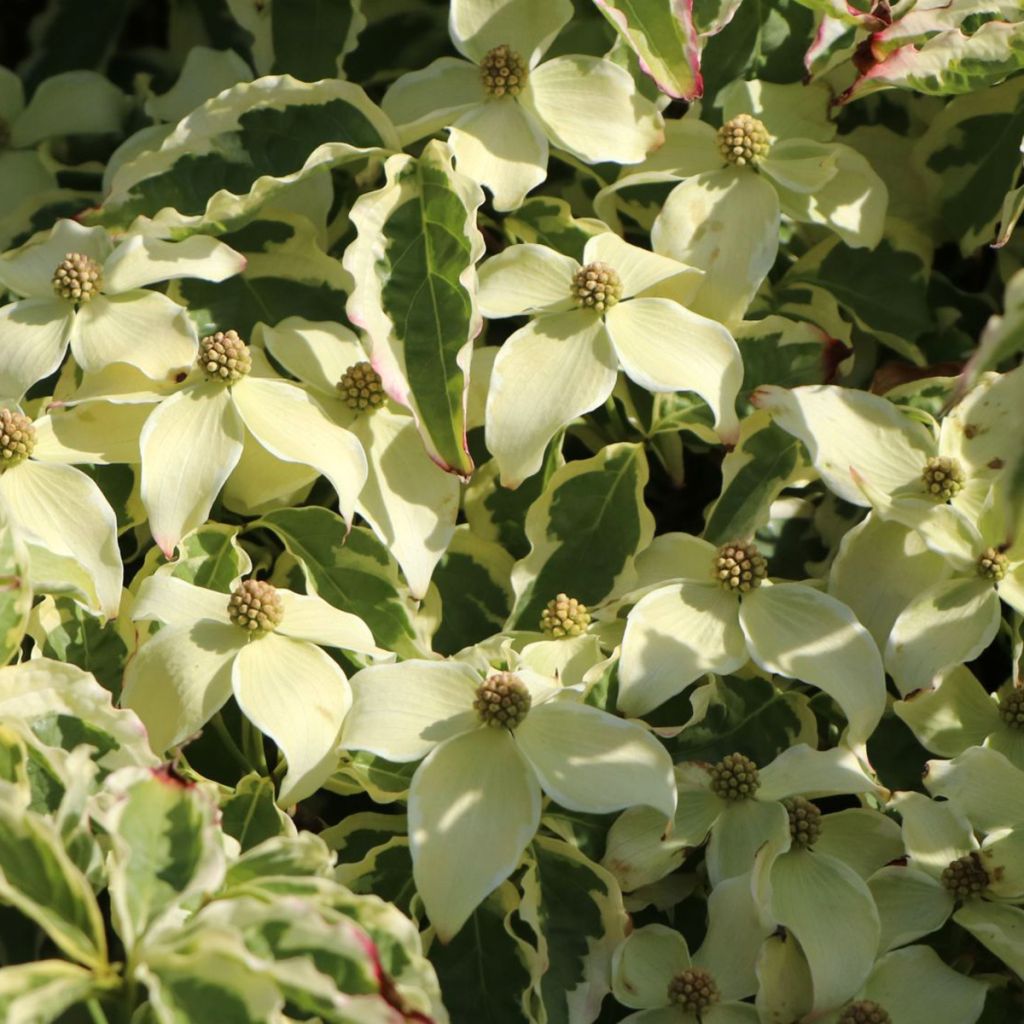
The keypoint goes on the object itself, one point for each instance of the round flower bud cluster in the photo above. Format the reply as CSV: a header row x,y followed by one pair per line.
x,y
693,989
965,877
503,71
564,616
864,1011
739,567
361,388
992,564
734,777
943,477
224,357
804,821
77,278
1011,709
17,437
502,701
256,606
743,140
596,286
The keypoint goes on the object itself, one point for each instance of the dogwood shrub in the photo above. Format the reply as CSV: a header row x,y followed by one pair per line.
x,y
512,511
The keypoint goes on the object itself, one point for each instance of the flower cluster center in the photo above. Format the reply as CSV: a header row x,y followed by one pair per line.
x,y
596,286
734,777
943,477
992,565
502,701
256,606
564,616
503,71
743,140
965,877
17,437
693,989
78,278
804,821
361,387
740,567
224,357
1011,709
864,1011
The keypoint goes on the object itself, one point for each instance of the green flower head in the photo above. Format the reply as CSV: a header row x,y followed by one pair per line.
x,y
361,388
564,616
78,278
734,777
864,1011
739,567
743,141
992,564
255,606
224,357
943,477
596,286
503,72
1011,709
966,876
804,821
502,701
17,438
693,989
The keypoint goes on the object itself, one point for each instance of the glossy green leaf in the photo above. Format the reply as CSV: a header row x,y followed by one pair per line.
x,y
950,61
413,263
748,715
972,154
287,273
473,578
64,707
15,594
496,513
350,570
230,155
251,815
311,37
665,39
43,990
575,909
584,531
884,289
66,632
487,964
166,852
547,220
212,982
754,474
38,878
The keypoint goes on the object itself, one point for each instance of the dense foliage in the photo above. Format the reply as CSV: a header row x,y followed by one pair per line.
x,y
512,511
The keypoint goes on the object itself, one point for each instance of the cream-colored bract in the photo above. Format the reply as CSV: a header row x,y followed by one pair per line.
x,y
408,500
587,106
193,440
474,801
283,682
124,323
563,363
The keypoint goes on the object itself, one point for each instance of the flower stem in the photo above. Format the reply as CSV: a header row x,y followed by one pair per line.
x,y
230,745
